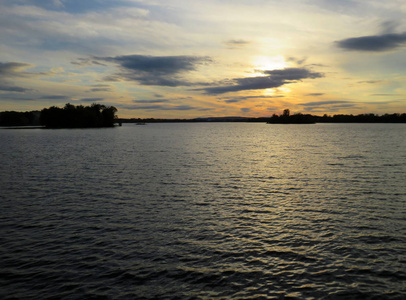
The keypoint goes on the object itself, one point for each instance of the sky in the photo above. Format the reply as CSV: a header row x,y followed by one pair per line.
x,y
200,58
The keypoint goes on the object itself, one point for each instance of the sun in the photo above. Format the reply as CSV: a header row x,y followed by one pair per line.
x,y
262,63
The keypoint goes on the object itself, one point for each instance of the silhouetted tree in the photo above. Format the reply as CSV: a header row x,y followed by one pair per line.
x,y
80,116
14,118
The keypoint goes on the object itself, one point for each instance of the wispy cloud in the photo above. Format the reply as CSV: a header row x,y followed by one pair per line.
x,y
385,95
315,94
100,88
235,44
243,98
371,81
151,101
333,105
298,61
320,103
13,88
165,107
55,97
91,99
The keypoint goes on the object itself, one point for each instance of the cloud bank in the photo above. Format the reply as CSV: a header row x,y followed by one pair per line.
x,y
155,70
273,79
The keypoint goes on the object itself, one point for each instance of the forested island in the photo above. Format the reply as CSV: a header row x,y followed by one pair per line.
x,y
97,115
70,116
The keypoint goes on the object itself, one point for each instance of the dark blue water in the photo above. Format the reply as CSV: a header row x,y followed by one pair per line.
x,y
204,211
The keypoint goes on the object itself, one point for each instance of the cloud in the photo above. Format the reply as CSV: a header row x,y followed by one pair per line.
x,y
100,88
315,94
17,69
151,101
243,98
374,43
84,62
164,107
324,103
234,44
91,99
55,97
274,79
293,74
371,81
11,69
298,61
386,95
232,100
11,88
155,70
333,105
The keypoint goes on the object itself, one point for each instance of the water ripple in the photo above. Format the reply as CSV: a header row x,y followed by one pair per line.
x,y
198,211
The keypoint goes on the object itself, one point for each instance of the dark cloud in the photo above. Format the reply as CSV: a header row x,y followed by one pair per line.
x,y
232,100
293,74
321,103
243,98
371,81
315,94
333,105
17,97
10,69
151,101
374,43
274,79
100,88
15,89
155,70
161,100
55,97
91,99
164,107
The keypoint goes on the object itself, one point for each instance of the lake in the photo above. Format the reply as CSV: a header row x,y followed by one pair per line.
x,y
204,211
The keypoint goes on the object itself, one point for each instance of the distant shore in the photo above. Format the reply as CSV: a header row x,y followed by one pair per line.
x,y
98,116
275,119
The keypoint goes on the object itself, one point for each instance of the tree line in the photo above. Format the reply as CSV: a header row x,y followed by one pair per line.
x,y
98,115
70,116
299,118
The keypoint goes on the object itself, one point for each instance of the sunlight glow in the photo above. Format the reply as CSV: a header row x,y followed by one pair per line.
x,y
262,63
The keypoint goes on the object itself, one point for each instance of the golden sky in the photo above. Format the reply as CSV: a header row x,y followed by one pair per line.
x,y
186,59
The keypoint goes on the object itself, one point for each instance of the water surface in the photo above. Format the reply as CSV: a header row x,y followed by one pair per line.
x,y
204,211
